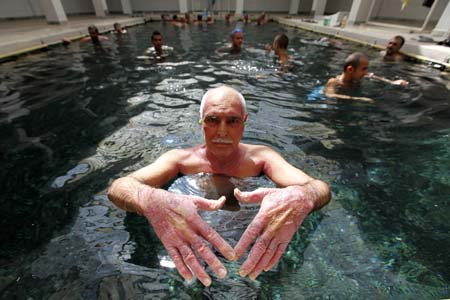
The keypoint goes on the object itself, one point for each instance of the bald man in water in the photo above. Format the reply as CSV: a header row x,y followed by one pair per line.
x,y
174,217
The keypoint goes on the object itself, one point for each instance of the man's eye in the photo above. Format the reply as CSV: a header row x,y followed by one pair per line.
x,y
233,121
212,120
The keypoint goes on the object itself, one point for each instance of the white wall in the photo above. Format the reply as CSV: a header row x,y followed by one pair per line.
x,y
333,6
114,6
154,5
78,6
20,9
413,11
281,6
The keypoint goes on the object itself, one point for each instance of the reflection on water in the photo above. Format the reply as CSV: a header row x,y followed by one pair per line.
x,y
72,120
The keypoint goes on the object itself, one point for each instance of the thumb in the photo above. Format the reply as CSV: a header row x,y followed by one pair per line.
x,y
206,204
255,196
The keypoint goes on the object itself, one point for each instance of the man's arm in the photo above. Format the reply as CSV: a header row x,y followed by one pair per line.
x,y
281,213
174,217
401,82
330,91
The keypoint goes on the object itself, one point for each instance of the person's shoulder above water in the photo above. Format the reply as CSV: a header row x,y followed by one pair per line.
x,y
94,35
392,51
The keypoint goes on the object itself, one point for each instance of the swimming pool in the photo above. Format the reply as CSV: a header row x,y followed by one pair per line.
x,y
73,119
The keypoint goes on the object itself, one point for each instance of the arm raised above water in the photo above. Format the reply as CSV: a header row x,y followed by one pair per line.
x,y
281,213
174,217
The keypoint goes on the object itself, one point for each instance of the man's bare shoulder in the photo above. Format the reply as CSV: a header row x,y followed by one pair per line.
x,y
181,154
257,150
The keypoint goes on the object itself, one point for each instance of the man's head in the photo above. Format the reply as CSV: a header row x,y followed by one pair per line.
x,y
117,27
93,33
394,45
356,66
223,114
157,40
281,41
237,37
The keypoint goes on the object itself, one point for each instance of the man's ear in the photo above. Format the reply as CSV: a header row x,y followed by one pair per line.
x,y
349,69
245,118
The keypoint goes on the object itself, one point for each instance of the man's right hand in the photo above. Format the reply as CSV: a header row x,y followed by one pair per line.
x,y
183,232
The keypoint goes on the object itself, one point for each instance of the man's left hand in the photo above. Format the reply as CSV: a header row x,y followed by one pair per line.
x,y
281,213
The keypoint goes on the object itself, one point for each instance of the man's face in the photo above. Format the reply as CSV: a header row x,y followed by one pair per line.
x,y
223,123
93,33
361,71
393,46
157,41
237,40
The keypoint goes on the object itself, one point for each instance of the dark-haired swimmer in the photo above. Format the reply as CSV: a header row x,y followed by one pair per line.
x,y
280,44
175,218
392,52
159,51
94,35
356,67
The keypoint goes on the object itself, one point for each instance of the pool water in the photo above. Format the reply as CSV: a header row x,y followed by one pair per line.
x,y
74,119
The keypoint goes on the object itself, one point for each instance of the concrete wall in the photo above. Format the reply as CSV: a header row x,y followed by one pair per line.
x,y
72,7
155,5
281,6
333,6
114,6
20,9
389,9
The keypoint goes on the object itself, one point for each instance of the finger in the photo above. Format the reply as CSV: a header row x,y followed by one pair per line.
x,y
209,234
276,257
265,259
251,233
206,204
179,263
258,249
252,197
208,256
192,262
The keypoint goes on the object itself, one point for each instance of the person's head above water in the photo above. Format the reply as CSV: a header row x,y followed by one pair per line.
x,y
237,38
93,33
394,45
223,115
157,40
281,41
356,66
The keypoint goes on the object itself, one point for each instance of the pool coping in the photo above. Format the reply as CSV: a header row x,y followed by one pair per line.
x,y
422,52
43,38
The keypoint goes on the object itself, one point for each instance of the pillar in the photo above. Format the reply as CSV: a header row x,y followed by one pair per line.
x,y
239,8
100,8
53,11
318,7
183,6
442,28
359,11
126,7
293,8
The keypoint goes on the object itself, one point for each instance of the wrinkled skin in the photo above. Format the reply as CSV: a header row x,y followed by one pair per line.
x,y
183,232
281,213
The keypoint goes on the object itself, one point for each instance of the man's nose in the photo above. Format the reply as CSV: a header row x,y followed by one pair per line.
x,y
222,128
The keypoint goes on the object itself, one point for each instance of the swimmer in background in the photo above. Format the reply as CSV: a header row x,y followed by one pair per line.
x,y
262,19
94,36
246,18
118,28
237,38
165,18
356,67
159,51
392,51
175,218
228,18
280,44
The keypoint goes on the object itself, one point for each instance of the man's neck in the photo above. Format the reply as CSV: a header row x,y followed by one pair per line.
x,y
223,163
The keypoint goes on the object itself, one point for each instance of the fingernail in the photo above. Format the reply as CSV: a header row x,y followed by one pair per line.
x,y
222,273
207,282
243,273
